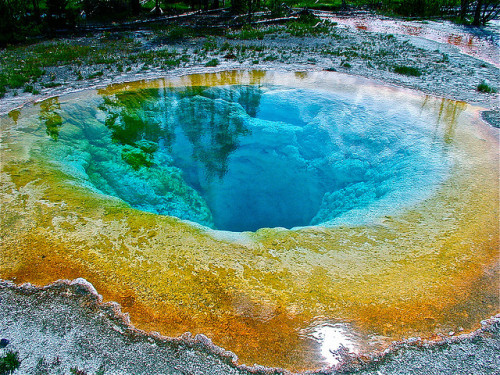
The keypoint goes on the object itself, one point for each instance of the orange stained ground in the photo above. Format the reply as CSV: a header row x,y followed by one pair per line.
x,y
429,270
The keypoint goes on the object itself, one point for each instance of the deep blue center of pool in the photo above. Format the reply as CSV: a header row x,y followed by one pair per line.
x,y
240,158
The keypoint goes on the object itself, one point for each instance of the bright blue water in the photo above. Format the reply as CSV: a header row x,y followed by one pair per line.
x,y
241,158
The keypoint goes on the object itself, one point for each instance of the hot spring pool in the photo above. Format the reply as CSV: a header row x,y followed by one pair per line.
x,y
280,214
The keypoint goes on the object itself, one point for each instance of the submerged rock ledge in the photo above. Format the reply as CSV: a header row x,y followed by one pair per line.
x,y
67,325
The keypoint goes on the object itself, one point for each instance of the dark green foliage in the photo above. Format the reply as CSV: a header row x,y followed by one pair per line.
x,y
178,32
34,58
249,33
24,19
407,71
419,8
271,58
210,44
213,62
309,25
9,29
136,157
49,116
18,76
77,371
56,11
484,87
51,84
28,88
9,362
103,9
278,8
96,75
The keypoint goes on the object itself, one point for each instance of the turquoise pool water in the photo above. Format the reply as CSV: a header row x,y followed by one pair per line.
x,y
245,157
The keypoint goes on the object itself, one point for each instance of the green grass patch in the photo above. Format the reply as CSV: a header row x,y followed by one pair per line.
x,y
251,33
213,62
25,63
407,71
300,28
9,362
95,75
51,85
484,87
210,44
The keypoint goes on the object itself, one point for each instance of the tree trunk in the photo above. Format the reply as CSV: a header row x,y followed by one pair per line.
x,y
237,6
36,9
477,13
464,9
135,7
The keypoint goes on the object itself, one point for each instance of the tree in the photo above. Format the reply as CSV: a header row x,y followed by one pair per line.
x,y
237,6
157,8
56,8
477,13
13,23
135,7
485,11
36,10
464,9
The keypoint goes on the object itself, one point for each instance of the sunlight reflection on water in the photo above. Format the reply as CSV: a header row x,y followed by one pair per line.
x,y
334,340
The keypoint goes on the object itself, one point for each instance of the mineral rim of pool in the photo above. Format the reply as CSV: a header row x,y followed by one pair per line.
x,y
283,215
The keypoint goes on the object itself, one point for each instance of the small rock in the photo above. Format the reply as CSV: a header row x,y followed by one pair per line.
x,y
3,343
451,333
